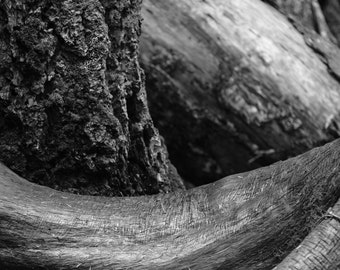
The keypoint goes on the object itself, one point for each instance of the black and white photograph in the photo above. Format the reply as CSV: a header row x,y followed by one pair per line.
x,y
170,135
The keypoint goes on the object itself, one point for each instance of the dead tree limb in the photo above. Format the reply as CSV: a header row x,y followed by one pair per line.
x,y
241,79
245,221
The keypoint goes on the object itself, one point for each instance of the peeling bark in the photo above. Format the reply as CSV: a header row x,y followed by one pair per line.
x,y
73,112
233,86
245,221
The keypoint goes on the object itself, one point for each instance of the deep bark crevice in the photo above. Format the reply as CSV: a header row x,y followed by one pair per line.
x,y
70,75
74,116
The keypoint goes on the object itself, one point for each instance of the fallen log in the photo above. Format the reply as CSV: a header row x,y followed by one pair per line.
x,y
245,221
321,248
233,86
307,14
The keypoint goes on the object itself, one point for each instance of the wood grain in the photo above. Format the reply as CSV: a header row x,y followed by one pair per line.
x,y
245,221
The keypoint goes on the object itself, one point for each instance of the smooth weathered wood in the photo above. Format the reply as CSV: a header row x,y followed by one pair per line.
x,y
233,85
245,221
304,13
321,248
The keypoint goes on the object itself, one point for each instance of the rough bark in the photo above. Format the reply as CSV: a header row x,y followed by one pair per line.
x,y
245,221
233,86
73,109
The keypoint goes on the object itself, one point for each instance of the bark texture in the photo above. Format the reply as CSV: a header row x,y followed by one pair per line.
x,y
73,109
244,222
233,85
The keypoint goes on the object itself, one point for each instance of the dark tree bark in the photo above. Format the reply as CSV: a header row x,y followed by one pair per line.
x,y
73,109
233,85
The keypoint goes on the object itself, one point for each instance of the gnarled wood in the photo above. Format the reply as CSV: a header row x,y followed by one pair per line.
x,y
73,108
234,86
245,221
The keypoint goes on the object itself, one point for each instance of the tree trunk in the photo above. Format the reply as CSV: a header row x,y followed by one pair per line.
x,y
73,109
246,221
233,86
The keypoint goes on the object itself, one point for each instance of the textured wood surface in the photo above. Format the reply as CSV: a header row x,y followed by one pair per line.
x,y
321,248
245,221
73,108
233,85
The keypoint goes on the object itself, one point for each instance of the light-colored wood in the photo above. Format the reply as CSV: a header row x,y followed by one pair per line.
x,y
320,249
241,78
245,221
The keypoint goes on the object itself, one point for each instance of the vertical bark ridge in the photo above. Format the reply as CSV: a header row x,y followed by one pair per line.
x,y
73,112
